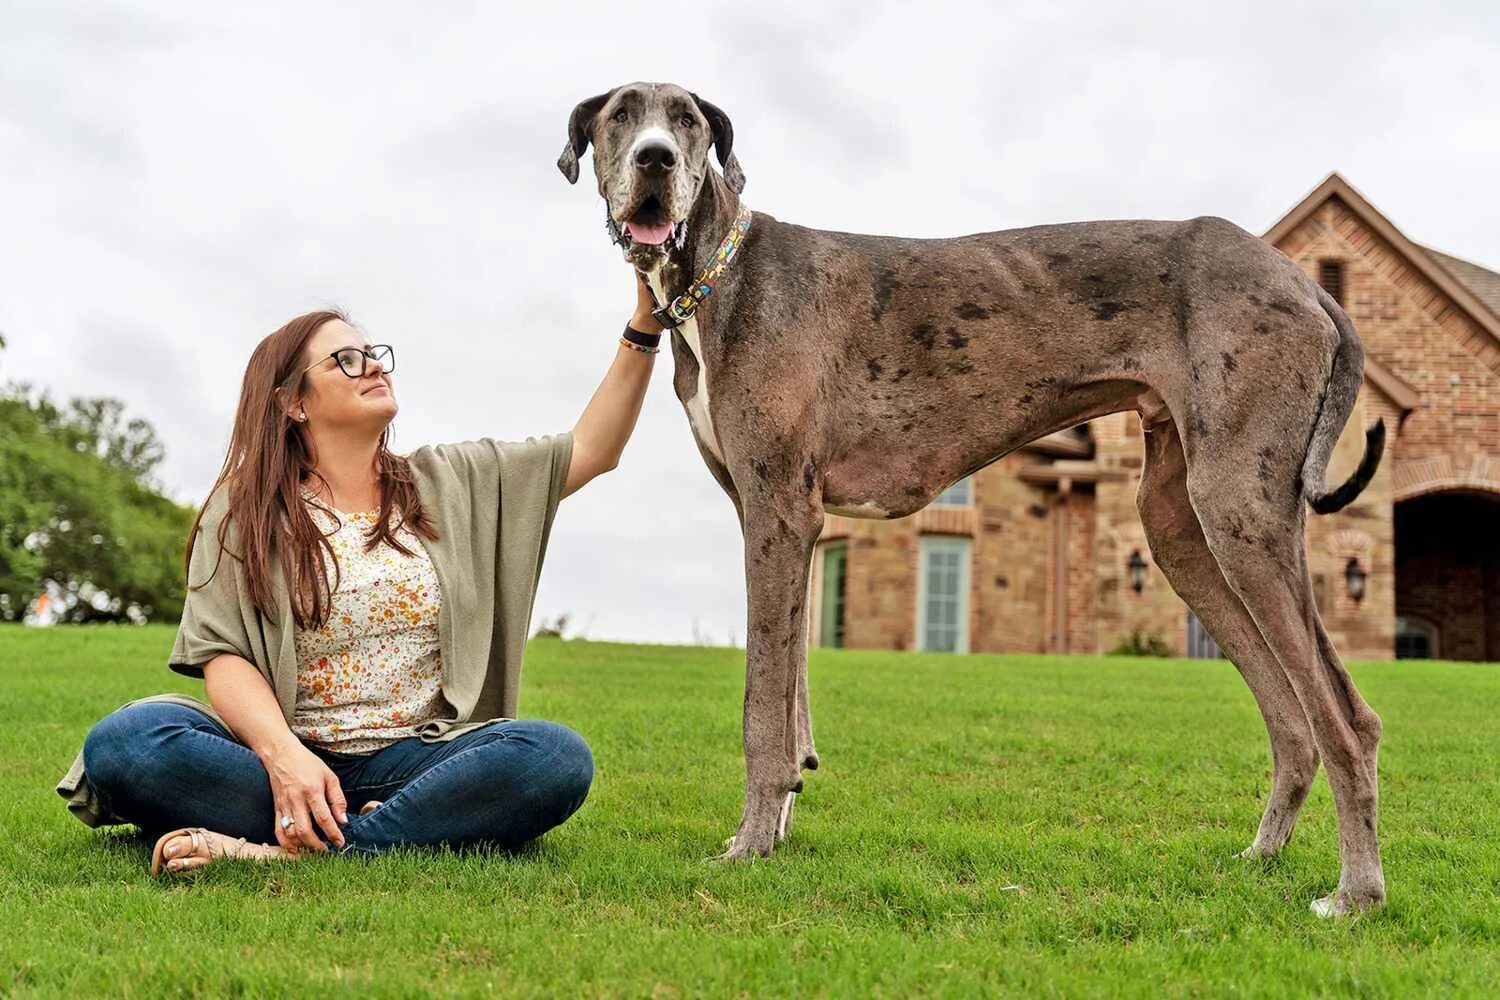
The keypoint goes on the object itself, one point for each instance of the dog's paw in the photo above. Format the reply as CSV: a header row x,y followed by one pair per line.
x,y
743,848
1324,907
714,859
1261,850
734,853
1343,904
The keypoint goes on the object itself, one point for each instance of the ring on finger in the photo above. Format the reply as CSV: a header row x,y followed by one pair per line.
x,y
287,822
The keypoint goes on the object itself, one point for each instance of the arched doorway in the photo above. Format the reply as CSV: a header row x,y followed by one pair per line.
x,y
1448,576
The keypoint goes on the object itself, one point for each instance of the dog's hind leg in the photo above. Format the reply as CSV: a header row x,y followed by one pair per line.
x,y
1246,488
1179,549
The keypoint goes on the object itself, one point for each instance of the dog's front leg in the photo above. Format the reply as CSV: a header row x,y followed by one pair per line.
x,y
779,536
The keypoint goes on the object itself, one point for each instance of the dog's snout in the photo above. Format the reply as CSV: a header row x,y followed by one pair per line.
x,y
655,157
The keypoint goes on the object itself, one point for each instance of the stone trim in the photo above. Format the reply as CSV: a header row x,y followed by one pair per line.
x,y
1064,474
1415,477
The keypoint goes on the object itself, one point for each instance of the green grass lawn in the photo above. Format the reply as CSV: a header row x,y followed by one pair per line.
x,y
982,823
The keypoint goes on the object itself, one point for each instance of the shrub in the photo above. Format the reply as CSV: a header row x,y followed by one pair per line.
x,y
1140,644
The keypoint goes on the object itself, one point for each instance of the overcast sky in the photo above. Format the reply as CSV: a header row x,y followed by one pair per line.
x,y
177,179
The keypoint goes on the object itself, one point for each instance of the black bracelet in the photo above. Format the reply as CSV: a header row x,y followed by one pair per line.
x,y
643,339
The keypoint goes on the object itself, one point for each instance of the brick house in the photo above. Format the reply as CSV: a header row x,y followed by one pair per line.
x,y
1042,551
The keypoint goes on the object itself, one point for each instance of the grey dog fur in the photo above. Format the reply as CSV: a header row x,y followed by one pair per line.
x,y
863,374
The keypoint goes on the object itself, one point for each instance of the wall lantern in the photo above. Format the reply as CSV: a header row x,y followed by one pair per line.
x,y
1355,577
1137,567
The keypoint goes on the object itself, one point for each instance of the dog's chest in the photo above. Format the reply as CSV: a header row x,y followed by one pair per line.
x,y
696,405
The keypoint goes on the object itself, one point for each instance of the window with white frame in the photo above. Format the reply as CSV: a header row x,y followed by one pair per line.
x,y
960,494
943,595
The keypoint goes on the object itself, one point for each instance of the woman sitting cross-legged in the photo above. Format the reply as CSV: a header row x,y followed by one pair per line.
x,y
358,618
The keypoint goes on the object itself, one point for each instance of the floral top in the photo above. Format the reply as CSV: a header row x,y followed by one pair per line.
x,y
372,674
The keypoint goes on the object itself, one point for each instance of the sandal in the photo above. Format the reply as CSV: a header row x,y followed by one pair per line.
x,y
203,847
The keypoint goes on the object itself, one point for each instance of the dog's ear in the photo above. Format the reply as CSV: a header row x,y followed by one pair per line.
x,y
580,131
723,132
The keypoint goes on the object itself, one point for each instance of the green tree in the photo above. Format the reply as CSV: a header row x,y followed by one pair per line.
x,y
80,512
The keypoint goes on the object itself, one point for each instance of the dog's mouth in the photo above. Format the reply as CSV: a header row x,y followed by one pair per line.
x,y
649,225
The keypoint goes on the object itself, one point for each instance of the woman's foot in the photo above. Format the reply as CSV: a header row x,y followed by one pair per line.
x,y
193,847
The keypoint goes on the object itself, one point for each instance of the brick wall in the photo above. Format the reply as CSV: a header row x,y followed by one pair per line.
x,y
1081,624
1011,581
1407,324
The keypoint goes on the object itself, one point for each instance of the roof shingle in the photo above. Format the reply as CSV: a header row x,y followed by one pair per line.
x,y
1483,283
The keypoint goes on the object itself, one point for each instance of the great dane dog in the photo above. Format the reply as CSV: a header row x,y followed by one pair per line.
x,y
860,375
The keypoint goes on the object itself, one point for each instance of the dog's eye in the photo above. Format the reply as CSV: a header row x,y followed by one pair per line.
x,y
688,121
621,116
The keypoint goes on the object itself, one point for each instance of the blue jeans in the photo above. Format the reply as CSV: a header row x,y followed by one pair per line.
x,y
162,766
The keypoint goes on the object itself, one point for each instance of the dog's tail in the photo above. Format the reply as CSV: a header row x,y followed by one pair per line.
x,y
1338,402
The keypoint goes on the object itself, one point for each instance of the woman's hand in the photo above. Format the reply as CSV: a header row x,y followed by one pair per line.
x,y
644,305
305,789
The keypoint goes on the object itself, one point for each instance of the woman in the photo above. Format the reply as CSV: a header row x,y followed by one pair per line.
x,y
358,619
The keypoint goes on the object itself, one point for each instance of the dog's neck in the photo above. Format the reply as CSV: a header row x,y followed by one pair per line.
x,y
713,212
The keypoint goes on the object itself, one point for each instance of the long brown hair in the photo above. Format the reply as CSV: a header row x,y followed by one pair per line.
x,y
264,473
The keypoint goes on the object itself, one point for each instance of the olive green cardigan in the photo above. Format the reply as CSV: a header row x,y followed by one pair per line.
x,y
492,503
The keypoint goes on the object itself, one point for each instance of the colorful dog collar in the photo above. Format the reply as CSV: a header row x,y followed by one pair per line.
x,y
681,309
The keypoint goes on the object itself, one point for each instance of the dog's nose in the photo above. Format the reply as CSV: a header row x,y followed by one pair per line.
x,y
655,158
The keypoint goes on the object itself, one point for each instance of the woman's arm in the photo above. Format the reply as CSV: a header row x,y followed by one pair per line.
x,y
244,700
302,786
600,434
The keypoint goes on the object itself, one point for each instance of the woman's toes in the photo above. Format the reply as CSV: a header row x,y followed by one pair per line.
x,y
179,854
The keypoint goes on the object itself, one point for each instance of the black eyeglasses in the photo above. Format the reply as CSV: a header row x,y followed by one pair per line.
x,y
352,361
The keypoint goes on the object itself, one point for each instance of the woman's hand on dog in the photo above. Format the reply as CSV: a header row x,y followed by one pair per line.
x,y
644,306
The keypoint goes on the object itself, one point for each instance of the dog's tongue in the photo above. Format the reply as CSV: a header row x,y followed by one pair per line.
x,y
653,235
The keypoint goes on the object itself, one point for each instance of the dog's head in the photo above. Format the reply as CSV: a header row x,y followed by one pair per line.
x,y
651,143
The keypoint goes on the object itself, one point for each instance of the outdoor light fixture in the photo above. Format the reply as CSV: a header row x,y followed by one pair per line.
x,y
1137,567
1354,577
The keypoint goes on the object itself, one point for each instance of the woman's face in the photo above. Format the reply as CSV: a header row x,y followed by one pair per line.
x,y
334,400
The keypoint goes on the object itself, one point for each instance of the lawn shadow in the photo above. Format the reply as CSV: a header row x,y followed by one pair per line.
x,y
125,842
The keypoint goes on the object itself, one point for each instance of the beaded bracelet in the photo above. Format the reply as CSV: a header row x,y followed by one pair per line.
x,y
638,347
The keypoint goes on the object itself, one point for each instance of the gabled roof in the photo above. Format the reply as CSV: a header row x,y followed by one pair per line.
x,y
1484,283
1472,288
1400,391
